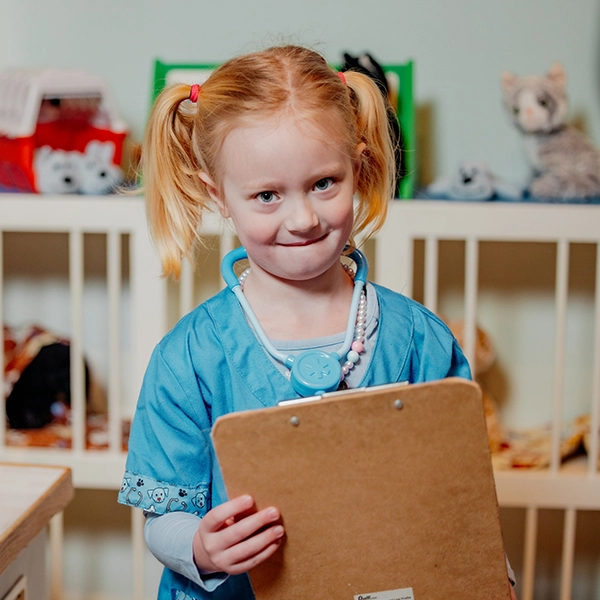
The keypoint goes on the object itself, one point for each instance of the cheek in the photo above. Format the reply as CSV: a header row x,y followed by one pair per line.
x,y
343,213
253,228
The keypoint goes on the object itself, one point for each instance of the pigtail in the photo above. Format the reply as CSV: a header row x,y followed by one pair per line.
x,y
376,179
175,196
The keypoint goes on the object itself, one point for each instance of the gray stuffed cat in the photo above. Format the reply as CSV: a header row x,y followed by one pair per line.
x,y
566,165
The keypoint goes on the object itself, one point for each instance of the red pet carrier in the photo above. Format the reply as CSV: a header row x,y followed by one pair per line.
x,y
58,108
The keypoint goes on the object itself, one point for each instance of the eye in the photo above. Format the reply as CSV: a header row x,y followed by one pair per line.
x,y
515,110
266,197
543,102
324,184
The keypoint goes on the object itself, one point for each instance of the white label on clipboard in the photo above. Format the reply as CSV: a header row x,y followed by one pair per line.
x,y
403,594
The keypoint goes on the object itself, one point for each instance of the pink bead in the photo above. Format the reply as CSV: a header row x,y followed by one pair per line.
x,y
358,347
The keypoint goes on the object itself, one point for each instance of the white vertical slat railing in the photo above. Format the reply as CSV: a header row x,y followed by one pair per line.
x,y
186,287
113,284
76,279
430,295
530,541
56,539
594,454
471,284
561,298
138,547
568,554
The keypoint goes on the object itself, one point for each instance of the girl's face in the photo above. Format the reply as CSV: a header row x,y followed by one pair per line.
x,y
288,189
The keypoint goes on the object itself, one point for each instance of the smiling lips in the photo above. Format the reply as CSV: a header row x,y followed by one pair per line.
x,y
306,242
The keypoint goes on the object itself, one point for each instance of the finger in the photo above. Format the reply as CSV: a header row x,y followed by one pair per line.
x,y
247,527
225,513
255,550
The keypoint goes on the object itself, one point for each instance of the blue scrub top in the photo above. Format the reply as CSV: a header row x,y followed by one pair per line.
x,y
210,365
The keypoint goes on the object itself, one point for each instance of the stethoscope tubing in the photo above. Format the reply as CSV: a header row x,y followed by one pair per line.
x,y
233,283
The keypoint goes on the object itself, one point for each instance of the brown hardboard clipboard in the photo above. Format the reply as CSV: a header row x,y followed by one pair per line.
x,y
385,493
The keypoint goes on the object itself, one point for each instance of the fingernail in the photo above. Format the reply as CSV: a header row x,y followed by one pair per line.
x,y
273,514
247,501
278,531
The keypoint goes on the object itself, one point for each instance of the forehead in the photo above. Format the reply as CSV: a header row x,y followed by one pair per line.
x,y
282,139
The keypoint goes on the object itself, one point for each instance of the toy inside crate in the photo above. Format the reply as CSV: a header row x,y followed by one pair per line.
x,y
400,82
59,132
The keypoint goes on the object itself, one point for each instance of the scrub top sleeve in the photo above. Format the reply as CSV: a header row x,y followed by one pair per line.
x,y
170,453
436,353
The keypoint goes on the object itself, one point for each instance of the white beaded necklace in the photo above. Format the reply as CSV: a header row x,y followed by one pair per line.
x,y
357,347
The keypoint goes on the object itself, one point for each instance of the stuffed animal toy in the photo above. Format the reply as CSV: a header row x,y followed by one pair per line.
x,y
37,376
473,181
485,357
54,171
96,172
517,448
367,65
565,164
90,172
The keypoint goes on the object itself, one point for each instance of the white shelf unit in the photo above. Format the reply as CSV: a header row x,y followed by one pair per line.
x,y
113,217
574,486
571,487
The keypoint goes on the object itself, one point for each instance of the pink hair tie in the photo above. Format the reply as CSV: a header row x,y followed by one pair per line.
x,y
194,93
342,77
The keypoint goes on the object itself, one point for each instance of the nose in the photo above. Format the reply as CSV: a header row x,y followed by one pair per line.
x,y
302,216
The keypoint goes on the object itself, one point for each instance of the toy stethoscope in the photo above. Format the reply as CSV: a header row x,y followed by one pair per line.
x,y
312,372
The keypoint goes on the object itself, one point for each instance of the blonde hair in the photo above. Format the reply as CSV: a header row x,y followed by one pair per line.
x,y
183,140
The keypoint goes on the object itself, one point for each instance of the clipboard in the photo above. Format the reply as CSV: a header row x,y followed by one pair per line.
x,y
386,493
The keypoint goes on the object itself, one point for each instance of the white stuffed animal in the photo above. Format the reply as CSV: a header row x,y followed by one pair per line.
x,y
473,181
96,172
55,171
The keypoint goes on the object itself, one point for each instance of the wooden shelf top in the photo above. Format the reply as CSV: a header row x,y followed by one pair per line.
x,y
32,496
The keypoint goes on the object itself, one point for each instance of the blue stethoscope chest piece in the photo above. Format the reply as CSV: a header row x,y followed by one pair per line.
x,y
315,372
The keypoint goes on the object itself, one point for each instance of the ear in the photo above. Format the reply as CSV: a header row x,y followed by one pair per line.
x,y
106,151
92,148
557,74
508,80
215,194
357,162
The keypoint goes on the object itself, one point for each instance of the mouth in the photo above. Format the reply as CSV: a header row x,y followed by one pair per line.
x,y
305,242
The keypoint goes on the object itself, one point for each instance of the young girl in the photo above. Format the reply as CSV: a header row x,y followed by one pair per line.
x,y
282,145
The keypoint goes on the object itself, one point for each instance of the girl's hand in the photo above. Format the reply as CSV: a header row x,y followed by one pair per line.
x,y
234,537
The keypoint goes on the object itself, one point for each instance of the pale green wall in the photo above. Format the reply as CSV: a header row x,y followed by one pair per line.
x,y
460,48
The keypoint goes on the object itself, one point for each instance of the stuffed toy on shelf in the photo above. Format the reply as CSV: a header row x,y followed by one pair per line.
x,y
565,164
473,181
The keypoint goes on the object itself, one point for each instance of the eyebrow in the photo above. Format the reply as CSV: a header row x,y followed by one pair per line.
x,y
331,170
259,185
